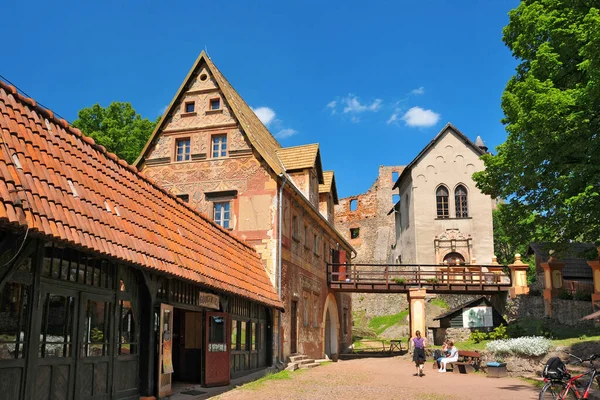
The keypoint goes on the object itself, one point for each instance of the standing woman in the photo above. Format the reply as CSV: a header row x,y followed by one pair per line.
x,y
418,343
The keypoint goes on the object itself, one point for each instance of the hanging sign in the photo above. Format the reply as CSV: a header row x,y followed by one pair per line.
x,y
209,300
167,353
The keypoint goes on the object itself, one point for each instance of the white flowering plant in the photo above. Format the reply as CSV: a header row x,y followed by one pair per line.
x,y
527,346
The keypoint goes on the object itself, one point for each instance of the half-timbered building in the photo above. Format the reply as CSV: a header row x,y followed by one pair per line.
x,y
110,286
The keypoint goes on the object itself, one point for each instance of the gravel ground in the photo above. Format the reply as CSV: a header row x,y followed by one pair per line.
x,y
383,378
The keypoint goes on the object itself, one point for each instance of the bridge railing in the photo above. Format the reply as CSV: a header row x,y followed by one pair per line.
x,y
417,274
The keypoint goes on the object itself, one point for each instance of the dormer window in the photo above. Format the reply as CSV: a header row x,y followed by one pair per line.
x,y
215,104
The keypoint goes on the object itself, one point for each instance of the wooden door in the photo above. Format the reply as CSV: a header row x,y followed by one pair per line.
x,y
217,349
56,323
192,347
95,347
165,352
294,328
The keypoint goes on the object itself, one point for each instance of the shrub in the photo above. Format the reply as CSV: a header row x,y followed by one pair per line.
x,y
432,280
565,295
515,330
528,346
478,336
582,296
498,333
400,281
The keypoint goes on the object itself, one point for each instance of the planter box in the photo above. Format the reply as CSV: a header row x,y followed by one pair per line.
x,y
496,370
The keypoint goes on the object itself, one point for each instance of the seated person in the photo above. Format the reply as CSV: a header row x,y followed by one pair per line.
x,y
439,354
450,358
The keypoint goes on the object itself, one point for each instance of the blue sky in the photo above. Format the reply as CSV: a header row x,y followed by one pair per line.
x,y
373,82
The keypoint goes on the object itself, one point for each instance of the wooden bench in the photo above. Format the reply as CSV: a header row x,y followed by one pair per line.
x,y
395,344
468,362
374,345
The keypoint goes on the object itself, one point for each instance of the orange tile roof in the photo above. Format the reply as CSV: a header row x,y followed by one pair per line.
x,y
70,189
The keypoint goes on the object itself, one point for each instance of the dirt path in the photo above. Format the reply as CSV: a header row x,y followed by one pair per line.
x,y
384,378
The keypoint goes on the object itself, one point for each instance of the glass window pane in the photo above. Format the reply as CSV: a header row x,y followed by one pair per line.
x,y
57,326
243,336
234,334
216,337
127,329
14,308
253,343
96,328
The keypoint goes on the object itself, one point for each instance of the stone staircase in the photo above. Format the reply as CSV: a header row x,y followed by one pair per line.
x,y
300,361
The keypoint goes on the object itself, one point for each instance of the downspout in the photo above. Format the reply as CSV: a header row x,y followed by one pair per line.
x,y
279,261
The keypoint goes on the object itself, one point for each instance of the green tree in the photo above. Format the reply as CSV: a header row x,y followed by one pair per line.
x,y
117,127
549,167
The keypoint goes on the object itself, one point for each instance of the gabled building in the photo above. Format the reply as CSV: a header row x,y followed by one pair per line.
x,y
211,150
110,286
441,216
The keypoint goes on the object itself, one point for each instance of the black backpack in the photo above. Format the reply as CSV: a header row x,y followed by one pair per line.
x,y
555,369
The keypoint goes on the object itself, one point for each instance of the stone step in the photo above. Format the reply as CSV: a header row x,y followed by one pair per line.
x,y
291,367
323,360
297,358
305,361
311,365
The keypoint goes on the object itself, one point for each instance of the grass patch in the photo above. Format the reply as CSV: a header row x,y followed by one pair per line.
x,y
440,303
381,323
575,340
534,382
471,345
257,384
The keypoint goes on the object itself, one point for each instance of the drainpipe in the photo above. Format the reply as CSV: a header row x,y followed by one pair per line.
x,y
279,260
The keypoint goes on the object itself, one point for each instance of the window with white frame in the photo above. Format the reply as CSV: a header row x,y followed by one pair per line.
x,y
222,213
219,146
182,149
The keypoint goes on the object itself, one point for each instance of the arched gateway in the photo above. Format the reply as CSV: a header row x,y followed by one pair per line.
x,y
331,326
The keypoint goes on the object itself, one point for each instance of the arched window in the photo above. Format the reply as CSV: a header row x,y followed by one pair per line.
x,y
441,196
460,200
454,259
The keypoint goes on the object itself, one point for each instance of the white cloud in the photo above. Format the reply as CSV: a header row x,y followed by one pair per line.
x,y
286,133
420,90
331,105
418,117
265,114
393,118
353,105
268,117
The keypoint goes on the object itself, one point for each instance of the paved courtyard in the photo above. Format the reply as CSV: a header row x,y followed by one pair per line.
x,y
384,378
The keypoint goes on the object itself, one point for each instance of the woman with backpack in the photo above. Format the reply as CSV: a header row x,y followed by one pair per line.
x,y
418,344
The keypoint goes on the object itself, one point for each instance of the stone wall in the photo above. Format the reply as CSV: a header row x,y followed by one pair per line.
x,y
567,312
376,304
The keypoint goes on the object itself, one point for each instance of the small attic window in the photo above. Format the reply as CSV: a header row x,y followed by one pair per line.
x,y
184,197
215,104
203,77
354,233
190,106
353,204
72,187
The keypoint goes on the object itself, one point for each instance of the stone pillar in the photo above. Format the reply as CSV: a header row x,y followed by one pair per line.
x,y
595,264
553,282
416,300
496,269
518,274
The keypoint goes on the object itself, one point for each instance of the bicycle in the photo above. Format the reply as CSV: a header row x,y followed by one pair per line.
x,y
567,388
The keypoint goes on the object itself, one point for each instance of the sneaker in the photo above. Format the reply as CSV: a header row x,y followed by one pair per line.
x,y
442,371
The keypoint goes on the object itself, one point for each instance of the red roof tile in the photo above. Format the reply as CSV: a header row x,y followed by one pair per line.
x,y
152,229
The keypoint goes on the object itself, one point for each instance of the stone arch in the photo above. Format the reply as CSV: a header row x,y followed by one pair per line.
x,y
331,327
463,252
